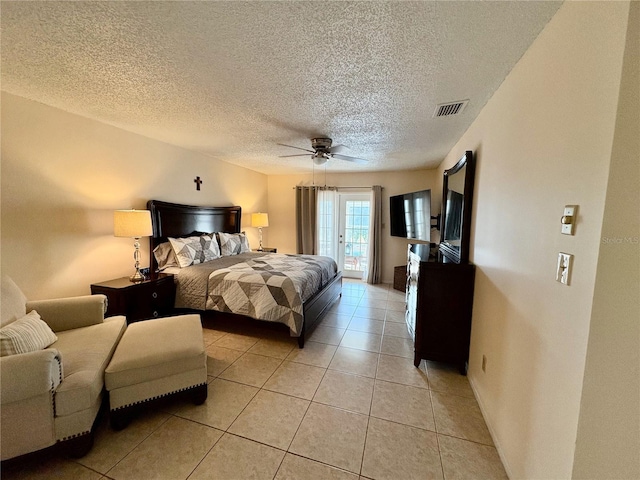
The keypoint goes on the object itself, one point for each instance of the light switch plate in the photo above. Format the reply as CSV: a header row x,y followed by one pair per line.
x,y
568,219
563,269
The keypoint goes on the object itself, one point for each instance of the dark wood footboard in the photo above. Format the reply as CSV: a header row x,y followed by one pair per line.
x,y
316,306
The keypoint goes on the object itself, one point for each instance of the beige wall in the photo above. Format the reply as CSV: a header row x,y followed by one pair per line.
x,y
282,209
62,177
543,141
608,441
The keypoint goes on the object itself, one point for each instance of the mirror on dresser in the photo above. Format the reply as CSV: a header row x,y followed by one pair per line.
x,y
457,198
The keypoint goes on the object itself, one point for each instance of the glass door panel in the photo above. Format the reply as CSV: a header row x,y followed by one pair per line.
x,y
353,234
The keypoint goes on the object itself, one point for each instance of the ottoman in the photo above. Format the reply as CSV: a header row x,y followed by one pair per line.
x,y
153,359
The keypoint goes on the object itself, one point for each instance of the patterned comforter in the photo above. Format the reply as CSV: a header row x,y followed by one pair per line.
x,y
268,287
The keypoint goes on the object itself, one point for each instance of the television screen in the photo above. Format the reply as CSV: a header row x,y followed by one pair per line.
x,y
410,215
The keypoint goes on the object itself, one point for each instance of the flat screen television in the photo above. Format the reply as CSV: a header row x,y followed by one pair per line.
x,y
410,215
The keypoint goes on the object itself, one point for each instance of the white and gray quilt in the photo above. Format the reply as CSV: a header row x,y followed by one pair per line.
x,y
268,287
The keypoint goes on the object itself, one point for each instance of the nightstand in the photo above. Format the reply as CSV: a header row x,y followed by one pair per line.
x,y
268,250
151,298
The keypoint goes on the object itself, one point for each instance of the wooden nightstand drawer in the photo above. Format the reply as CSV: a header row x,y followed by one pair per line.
x,y
138,301
152,300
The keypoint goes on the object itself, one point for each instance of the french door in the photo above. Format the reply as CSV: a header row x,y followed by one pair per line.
x,y
353,233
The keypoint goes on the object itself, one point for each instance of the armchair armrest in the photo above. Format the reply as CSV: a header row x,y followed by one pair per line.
x,y
72,312
30,374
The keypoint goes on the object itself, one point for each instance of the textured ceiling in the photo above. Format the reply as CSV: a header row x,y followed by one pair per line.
x,y
234,79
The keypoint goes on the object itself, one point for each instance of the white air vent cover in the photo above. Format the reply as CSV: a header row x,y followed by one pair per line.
x,y
451,108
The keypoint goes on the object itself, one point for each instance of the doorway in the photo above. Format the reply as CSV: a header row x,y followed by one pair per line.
x,y
353,234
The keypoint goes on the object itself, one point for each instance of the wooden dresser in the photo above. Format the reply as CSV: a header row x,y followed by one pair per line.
x,y
439,305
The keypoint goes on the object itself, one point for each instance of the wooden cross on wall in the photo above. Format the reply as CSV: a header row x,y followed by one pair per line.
x,y
198,182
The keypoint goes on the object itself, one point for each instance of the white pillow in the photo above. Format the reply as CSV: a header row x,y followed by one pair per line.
x,y
233,243
27,334
194,250
165,256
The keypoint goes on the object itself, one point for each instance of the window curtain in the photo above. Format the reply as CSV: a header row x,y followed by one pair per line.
x,y
327,225
374,273
306,220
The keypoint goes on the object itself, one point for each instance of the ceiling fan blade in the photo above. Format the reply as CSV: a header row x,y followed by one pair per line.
x,y
296,155
291,146
350,159
339,149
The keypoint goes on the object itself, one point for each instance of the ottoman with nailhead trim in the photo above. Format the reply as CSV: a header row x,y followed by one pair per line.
x,y
153,359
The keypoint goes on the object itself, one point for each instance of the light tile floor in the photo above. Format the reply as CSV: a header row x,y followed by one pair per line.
x,y
350,405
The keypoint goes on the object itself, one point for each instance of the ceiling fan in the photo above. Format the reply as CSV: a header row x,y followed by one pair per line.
x,y
323,151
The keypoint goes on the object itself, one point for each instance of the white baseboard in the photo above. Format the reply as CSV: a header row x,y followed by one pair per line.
x,y
487,421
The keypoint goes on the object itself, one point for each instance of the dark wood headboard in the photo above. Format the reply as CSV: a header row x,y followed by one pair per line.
x,y
175,220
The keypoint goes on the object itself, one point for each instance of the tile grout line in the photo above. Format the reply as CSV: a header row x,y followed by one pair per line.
x,y
435,422
169,415
366,433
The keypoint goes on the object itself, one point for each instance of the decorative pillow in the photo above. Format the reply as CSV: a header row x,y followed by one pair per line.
x,y
233,243
165,256
27,334
194,250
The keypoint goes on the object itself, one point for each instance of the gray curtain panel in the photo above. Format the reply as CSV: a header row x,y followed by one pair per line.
x,y
306,220
375,236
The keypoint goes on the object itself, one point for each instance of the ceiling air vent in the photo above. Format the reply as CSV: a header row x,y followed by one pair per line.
x,y
451,108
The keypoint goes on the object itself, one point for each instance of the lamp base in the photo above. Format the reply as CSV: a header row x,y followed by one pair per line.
x,y
137,277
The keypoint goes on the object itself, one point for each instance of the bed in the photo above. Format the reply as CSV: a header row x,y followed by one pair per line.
x,y
209,286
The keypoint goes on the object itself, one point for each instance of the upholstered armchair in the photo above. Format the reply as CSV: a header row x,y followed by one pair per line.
x,y
54,353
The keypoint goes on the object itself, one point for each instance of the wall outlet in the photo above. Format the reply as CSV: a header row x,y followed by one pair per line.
x,y
484,363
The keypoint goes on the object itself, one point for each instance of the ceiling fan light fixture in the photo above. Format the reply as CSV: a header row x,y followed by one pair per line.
x,y
319,158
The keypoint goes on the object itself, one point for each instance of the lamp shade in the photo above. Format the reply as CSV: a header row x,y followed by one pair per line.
x,y
259,219
132,223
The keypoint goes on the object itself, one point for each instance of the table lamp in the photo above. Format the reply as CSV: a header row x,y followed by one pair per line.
x,y
260,220
133,224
